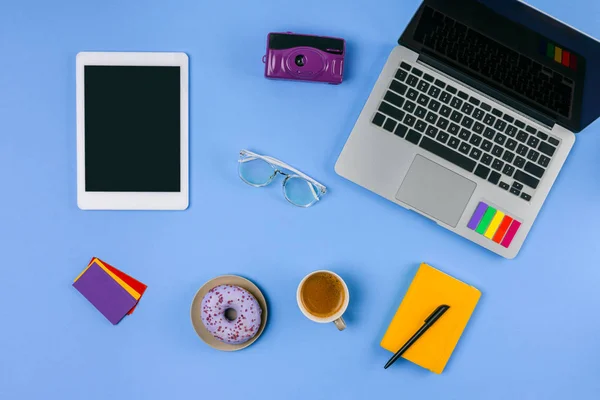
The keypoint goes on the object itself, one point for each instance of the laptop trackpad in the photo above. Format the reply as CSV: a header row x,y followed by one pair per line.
x,y
436,191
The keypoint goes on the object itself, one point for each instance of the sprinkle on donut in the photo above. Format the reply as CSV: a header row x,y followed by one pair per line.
x,y
247,319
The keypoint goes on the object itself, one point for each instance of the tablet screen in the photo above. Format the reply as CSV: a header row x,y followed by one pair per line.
x,y
132,128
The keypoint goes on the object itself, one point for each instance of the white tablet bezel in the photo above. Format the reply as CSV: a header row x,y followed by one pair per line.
x,y
132,200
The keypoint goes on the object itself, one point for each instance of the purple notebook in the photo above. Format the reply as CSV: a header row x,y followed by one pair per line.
x,y
110,298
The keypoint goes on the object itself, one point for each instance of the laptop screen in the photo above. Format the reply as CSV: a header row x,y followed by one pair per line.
x,y
539,63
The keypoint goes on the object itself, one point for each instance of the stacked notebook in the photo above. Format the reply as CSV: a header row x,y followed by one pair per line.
x,y
429,289
113,292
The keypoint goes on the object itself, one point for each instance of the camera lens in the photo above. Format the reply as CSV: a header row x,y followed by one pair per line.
x,y
300,59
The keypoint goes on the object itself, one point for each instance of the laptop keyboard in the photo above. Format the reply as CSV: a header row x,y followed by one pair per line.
x,y
466,131
501,65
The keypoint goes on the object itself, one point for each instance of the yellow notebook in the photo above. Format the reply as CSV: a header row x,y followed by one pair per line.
x,y
429,289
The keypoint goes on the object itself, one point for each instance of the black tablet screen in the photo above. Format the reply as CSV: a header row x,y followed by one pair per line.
x,y
132,129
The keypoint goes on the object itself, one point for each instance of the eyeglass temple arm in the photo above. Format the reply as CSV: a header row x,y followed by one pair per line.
x,y
280,163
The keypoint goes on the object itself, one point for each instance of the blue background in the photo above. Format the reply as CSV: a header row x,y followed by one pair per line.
x,y
534,335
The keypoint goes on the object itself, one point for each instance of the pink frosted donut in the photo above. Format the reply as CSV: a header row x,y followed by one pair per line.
x,y
248,314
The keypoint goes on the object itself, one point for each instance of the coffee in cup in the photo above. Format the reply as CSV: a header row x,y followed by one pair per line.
x,y
323,297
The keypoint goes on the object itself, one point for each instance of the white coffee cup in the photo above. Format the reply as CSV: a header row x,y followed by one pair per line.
x,y
335,318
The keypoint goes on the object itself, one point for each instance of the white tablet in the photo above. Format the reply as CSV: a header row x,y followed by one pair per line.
x,y
132,131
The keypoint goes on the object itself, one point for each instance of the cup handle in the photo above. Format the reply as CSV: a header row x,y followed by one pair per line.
x,y
340,324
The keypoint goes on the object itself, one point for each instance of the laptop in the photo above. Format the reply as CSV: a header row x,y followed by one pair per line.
x,y
474,115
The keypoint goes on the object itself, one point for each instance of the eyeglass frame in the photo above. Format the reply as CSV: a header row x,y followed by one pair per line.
x,y
247,155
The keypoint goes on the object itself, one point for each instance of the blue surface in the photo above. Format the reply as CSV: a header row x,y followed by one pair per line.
x,y
533,336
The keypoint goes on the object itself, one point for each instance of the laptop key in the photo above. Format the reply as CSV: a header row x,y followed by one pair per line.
x,y
542,135
464,134
453,129
508,170
474,101
409,106
525,196
487,159
497,112
420,112
413,136
412,80
478,127
447,154
378,119
489,133
520,124
508,156
486,145
451,89
531,129
412,94
423,100
547,149
511,130
463,95
439,83
434,91
417,71
554,141
456,116
464,148
467,122
522,137
526,179
479,114
404,65
453,142
443,137
511,144
393,98
519,162
392,111
489,119
508,118
497,164
434,105
497,150
445,97
445,111
467,108
431,117
428,78
475,140
401,75
515,191
500,125
409,120
401,130
533,141
423,86
544,161
390,125
534,170
431,131
533,155
517,185
500,139
504,185
494,177
475,153
442,123
482,171
420,126
522,150
456,102
398,87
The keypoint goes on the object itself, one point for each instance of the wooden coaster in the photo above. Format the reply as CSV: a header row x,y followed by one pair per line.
x,y
197,305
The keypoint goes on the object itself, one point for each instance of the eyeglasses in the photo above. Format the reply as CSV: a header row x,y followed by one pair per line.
x,y
298,188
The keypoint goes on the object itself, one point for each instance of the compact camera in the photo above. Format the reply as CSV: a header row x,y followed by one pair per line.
x,y
305,58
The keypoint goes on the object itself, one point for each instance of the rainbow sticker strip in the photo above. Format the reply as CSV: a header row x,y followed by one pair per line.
x,y
494,224
559,55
